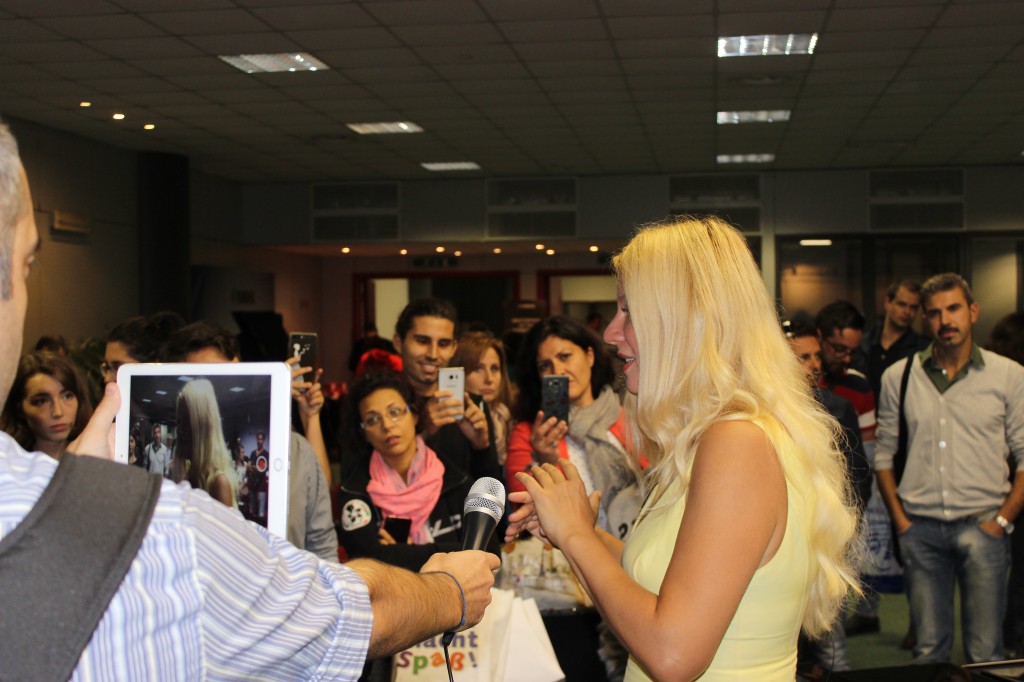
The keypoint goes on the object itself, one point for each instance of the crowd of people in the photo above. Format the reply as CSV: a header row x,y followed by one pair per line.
x,y
711,503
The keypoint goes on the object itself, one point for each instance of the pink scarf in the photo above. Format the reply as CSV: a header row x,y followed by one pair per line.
x,y
413,500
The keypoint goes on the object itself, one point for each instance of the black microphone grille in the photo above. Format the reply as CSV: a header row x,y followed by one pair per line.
x,y
486,495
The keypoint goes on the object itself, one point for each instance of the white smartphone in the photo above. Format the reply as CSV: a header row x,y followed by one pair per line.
x,y
245,405
453,379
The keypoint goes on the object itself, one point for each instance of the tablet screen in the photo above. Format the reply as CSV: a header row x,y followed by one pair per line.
x,y
223,428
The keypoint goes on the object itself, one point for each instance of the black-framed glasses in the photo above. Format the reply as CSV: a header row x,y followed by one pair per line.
x,y
840,349
394,413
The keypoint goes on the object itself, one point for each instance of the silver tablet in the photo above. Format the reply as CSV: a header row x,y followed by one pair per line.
x,y
222,427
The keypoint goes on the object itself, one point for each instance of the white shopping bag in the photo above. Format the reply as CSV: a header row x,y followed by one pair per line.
x,y
510,644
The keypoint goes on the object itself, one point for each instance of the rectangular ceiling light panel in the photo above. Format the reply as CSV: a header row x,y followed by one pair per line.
x,y
767,45
735,117
274,63
385,128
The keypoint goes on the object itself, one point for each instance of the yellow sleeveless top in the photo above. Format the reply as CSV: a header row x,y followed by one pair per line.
x,y
760,643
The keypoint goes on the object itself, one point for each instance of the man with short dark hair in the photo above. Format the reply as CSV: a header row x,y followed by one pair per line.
x,y
206,594
157,454
457,425
895,338
829,650
310,526
841,327
954,506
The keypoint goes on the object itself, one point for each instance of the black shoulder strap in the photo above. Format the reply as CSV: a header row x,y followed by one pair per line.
x,y
899,460
61,566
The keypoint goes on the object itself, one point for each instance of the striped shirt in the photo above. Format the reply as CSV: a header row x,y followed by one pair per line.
x,y
210,596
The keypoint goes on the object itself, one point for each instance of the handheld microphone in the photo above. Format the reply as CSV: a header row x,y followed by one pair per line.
x,y
484,506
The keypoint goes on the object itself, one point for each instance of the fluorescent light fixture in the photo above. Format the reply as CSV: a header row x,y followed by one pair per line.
x,y
345,249
236,389
118,116
439,249
451,165
274,63
762,116
457,253
745,158
385,128
149,126
496,249
815,242
594,249
85,105
404,252
550,252
146,400
539,247
159,392
767,45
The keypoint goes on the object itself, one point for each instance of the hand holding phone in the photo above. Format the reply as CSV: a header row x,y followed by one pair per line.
x,y
303,345
453,380
554,397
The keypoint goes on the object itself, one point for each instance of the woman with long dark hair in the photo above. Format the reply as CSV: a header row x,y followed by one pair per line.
x,y
48,405
594,438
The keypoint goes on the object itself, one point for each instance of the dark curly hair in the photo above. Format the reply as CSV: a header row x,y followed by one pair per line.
x,y
352,435
527,376
144,336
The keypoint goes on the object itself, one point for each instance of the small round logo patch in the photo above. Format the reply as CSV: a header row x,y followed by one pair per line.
x,y
355,514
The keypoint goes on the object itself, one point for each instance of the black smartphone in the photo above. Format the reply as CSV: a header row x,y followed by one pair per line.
x,y
398,528
303,345
554,397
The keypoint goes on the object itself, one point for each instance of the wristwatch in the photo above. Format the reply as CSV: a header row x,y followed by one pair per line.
x,y
1004,524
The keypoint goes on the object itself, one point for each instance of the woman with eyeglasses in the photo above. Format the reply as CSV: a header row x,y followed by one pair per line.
x,y
393,481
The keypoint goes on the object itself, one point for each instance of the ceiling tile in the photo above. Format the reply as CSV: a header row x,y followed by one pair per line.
x,y
406,12
575,30
24,31
758,23
103,26
567,51
882,18
467,54
297,17
60,8
144,48
655,8
242,43
527,10
343,38
448,35
645,28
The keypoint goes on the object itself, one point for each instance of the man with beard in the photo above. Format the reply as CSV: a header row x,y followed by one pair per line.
x,y
954,506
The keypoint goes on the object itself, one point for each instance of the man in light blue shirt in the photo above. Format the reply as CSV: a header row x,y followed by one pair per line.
x,y
209,595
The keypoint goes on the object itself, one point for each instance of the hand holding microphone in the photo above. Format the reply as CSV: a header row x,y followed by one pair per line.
x,y
484,506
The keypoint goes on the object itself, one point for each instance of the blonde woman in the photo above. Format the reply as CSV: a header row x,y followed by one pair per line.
x,y
200,455
744,538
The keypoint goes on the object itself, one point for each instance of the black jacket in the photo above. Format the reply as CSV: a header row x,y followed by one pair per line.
x,y
360,537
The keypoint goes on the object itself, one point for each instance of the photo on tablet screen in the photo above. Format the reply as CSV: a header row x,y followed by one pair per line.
x,y
223,428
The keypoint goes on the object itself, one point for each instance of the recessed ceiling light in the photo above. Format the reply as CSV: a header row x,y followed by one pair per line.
x,y
745,158
149,126
118,117
385,128
439,249
85,104
762,116
497,249
593,248
274,63
767,45
451,165
539,247
404,252
550,252
458,253
236,389
815,242
345,249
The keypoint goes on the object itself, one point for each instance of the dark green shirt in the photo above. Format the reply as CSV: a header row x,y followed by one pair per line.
x,y
939,376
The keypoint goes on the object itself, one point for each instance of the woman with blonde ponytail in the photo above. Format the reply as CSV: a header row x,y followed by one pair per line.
x,y
745,536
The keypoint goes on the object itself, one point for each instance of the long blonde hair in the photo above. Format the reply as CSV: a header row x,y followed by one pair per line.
x,y
200,440
713,350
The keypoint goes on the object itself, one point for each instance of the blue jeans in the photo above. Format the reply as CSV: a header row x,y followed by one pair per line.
x,y
938,554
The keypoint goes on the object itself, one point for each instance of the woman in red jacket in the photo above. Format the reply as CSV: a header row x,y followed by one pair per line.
x,y
594,438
